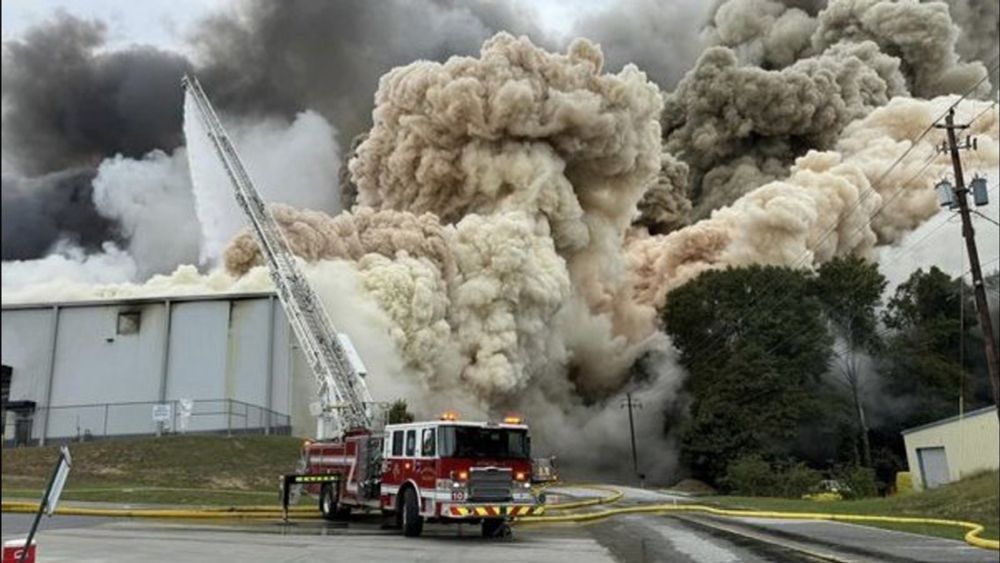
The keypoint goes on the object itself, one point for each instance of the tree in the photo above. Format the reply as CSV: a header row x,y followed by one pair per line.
x,y
398,413
850,290
755,344
934,338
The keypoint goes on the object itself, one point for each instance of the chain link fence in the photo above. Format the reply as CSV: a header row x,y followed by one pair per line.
x,y
81,423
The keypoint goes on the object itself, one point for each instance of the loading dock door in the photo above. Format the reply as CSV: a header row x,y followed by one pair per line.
x,y
933,466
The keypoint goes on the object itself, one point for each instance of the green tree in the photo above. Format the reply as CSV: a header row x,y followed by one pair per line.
x,y
934,338
755,344
850,290
398,413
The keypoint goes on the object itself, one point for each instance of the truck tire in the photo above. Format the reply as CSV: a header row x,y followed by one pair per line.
x,y
328,502
493,527
413,522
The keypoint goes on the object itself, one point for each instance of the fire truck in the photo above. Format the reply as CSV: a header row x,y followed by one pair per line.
x,y
445,470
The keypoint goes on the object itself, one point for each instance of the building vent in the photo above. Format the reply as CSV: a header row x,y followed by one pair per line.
x,y
128,322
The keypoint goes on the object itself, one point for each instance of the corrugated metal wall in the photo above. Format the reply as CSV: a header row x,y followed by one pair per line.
x,y
226,347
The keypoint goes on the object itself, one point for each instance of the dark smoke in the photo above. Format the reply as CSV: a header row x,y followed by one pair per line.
x,y
39,212
286,56
67,103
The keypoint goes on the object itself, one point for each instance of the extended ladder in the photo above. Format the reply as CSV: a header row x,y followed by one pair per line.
x,y
343,396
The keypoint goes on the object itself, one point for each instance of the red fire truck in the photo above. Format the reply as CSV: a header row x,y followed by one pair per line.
x,y
446,470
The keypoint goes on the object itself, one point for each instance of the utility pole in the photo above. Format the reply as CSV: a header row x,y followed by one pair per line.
x,y
982,305
631,426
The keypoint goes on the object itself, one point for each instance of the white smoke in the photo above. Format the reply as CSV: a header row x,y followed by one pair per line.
x,y
295,163
66,265
150,199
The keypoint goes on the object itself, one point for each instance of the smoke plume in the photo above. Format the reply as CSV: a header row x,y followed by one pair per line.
x,y
282,57
834,203
787,78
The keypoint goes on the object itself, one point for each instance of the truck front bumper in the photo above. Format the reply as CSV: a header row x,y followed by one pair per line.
x,y
490,510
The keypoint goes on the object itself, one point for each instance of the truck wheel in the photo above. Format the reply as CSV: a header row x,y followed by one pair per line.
x,y
413,523
494,527
327,502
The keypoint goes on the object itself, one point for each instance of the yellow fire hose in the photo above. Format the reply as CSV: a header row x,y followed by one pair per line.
x,y
971,536
265,512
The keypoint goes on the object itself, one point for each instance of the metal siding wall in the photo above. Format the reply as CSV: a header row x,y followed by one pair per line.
x,y
303,393
24,337
197,350
280,363
94,364
247,351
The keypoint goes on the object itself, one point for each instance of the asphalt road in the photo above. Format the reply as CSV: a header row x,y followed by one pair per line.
x,y
630,538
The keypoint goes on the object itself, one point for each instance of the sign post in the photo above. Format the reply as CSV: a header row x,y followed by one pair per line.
x,y
50,498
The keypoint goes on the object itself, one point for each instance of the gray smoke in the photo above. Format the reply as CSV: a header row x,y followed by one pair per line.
x,y
662,39
738,127
328,56
787,77
68,102
39,212
979,36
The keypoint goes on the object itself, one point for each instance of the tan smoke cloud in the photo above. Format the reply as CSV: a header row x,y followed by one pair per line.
x,y
830,205
315,236
520,129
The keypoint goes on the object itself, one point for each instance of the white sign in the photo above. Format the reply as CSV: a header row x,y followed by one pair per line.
x,y
60,480
161,412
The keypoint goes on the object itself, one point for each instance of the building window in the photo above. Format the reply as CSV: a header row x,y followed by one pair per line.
x,y
128,322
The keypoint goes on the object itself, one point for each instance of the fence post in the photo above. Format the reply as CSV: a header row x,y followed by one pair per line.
x,y
229,417
107,407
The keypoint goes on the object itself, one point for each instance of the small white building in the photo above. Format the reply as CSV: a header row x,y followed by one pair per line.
x,y
79,370
948,450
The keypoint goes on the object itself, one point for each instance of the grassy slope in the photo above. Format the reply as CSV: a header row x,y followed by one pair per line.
x,y
175,469
974,499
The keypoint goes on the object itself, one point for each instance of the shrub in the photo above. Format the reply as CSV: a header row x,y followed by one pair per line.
x,y
751,476
861,481
797,479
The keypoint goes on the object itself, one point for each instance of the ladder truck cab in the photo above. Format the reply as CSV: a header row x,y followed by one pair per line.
x,y
445,471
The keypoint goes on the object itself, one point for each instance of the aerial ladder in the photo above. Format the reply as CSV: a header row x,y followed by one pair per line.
x,y
344,401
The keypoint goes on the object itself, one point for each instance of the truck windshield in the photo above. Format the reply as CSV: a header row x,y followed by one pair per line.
x,y
478,442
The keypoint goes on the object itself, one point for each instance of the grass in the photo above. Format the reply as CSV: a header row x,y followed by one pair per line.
x,y
210,470
972,499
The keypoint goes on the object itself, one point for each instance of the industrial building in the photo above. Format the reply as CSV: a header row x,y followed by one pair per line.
x,y
92,369
948,450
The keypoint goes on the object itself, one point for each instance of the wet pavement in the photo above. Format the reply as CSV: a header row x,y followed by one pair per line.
x,y
636,537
